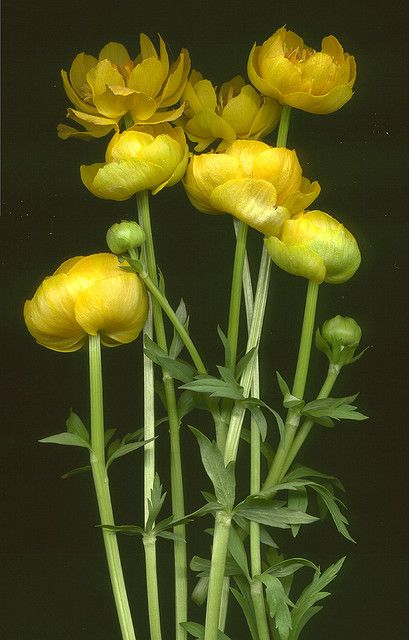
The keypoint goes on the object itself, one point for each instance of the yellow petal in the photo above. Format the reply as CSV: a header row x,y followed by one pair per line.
x,y
176,82
147,77
127,145
78,74
177,175
97,125
206,94
141,107
253,72
328,103
210,170
240,113
296,259
165,116
120,180
163,56
279,166
246,151
207,125
301,199
74,98
116,53
267,118
282,76
115,306
320,72
253,202
147,48
332,47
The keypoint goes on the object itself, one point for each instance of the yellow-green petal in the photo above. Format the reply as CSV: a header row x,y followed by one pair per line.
x,y
296,259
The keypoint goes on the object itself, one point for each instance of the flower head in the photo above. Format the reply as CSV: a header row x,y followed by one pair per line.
x,y
284,68
86,296
256,183
150,157
235,110
104,90
316,246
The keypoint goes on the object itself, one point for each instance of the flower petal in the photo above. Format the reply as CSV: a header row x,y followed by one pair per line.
x,y
296,259
74,98
115,52
147,77
78,75
176,82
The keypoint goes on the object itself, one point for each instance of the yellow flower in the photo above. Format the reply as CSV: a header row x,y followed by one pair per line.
x,y
148,157
236,110
256,183
86,296
284,68
104,90
316,246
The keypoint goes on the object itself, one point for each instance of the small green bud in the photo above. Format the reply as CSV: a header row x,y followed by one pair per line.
x,y
339,339
341,331
124,236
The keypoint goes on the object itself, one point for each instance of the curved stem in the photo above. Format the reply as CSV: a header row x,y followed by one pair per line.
x,y
216,577
293,416
333,372
101,484
178,507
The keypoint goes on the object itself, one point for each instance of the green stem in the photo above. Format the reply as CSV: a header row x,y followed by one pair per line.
x,y
235,296
293,416
283,126
333,372
149,543
101,484
216,578
178,508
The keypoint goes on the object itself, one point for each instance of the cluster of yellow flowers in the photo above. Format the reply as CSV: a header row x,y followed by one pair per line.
x,y
259,184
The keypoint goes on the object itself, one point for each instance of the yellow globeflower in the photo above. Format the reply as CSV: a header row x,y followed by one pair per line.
x,y
316,246
235,110
86,296
149,157
256,183
104,90
284,68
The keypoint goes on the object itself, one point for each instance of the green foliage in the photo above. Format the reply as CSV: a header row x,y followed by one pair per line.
x,y
176,368
325,410
177,345
278,605
197,631
225,387
222,477
243,597
271,513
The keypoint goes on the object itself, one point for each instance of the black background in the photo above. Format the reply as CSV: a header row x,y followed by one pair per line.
x,y
53,571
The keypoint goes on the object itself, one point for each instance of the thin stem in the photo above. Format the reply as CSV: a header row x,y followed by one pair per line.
x,y
293,416
283,126
216,577
101,484
178,508
149,543
333,372
235,296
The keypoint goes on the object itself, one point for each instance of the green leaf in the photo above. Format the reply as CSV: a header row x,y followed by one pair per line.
x,y
322,345
244,599
177,342
301,471
238,552
288,567
161,282
71,439
170,535
108,435
260,421
222,477
330,501
124,449
265,448
197,631
278,602
312,593
199,593
272,514
75,472
186,403
155,502
176,368
284,388
245,361
202,566
125,529
265,537
292,402
297,500
75,425
337,408
280,424
215,387
226,346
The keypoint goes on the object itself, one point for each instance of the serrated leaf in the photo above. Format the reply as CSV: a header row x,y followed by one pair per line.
x,y
77,471
278,604
243,597
65,438
126,529
268,513
238,552
155,502
245,361
222,477
202,566
301,471
226,346
75,425
330,501
215,388
176,368
186,404
284,388
177,342
312,593
288,567
292,402
108,435
124,449
260,421
297,500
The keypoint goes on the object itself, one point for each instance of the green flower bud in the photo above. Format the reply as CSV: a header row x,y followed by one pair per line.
x,y
124,236
339,339
342,331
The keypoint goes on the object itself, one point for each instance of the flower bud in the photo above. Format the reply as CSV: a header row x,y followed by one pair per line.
x,y
341,330
339,339
125,235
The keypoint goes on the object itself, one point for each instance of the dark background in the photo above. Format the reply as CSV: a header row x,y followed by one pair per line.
x,y
53,570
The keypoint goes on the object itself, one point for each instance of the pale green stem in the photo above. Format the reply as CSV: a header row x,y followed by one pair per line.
x,y
178,508
149,543
235,296
333,372
216,577
221,536
300,378
101,483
